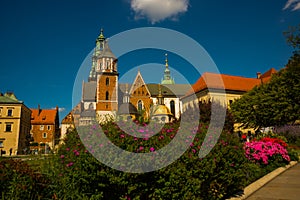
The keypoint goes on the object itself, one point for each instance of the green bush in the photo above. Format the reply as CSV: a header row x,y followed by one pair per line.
x,y
19,181
222,173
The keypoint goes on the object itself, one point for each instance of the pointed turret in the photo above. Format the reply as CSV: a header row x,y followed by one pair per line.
x,y
100,41
167,79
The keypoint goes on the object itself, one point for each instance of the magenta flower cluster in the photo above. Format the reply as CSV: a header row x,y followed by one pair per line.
x,y
264,150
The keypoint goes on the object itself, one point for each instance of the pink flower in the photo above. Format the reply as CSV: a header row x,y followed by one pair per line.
x,y
141,130
152,149
62,156
70,164
141,148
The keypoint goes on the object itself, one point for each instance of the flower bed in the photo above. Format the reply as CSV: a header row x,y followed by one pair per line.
x,y
230,166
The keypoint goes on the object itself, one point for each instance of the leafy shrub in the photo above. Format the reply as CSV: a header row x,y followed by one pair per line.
x,y
290,132
19,181
220,174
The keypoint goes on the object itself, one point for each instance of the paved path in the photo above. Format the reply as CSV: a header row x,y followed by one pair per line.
x,y
286,186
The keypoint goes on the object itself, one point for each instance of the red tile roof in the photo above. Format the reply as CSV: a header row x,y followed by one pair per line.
x,y
229,82
43,116
269,73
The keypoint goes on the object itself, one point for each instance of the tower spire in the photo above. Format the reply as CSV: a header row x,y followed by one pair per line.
x,y
167,79
100,42
101,36
167,64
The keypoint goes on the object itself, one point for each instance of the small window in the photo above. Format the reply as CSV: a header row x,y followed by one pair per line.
x,y
44,135
107,82
230,102
172,105
9,112
106,106
48,127
107,95
8,128
41,127
1,144
140,105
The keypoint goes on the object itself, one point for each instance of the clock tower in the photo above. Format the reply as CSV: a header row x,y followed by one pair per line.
x,y
104,71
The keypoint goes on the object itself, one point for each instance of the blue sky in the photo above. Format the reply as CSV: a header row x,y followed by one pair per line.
x,y
44,42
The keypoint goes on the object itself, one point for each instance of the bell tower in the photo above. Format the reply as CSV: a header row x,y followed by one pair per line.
x,y
104,71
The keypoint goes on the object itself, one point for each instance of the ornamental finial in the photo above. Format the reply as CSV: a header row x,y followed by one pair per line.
x,y
167,65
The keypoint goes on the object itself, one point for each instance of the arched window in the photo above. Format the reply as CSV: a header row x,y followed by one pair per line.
x,y
107,81
172,106
107,64
140,105
91,106
107,95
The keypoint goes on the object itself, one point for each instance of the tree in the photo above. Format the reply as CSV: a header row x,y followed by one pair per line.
x,y
275,103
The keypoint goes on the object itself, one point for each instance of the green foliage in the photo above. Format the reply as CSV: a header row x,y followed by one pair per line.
x,y
19,181
275,103
73,173
293,36
205,115
217,176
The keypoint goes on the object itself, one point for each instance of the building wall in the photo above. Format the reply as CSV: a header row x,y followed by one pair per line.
x,y
25,126
141,94
226,100
110,103
16,139
39,131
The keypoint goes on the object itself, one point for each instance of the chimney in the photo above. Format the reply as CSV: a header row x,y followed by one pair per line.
x,y
39,109
258,75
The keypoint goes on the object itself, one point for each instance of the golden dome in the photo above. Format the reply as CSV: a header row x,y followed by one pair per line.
x,y
160,110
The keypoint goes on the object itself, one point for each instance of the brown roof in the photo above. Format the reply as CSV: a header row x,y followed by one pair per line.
x,y
43,116
228,82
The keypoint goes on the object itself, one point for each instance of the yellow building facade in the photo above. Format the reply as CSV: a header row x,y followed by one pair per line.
x,y
14,125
